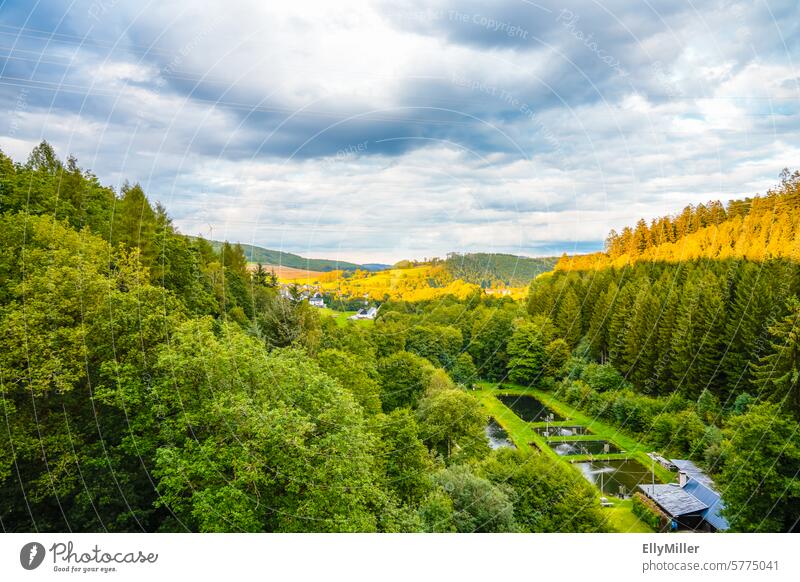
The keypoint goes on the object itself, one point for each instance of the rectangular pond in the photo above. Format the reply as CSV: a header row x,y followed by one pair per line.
x,y
598,447
528,408
497,436
562,431
619,478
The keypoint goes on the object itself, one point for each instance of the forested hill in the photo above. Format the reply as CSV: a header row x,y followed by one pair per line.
x,y
758,228
151,383
256,254
706,300
489,269
697,317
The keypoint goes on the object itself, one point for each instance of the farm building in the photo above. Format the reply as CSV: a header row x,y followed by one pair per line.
x,y
693,502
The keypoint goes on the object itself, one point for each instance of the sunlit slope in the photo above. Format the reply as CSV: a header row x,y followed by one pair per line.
x,y
411,284
755,229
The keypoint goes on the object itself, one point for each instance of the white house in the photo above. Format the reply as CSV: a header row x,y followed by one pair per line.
x,y
370,313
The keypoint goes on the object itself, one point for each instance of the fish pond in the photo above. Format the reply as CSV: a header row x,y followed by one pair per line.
x,y
497,436
619,478
562,431
597,447
528,408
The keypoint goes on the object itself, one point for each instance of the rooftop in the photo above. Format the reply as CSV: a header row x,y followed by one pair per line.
x,y
674,499
694,472
698,495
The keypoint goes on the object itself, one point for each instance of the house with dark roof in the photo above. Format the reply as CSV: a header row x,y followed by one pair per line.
x,y
370,313
693,502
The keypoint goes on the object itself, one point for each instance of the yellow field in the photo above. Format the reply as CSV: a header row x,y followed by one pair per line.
x,y
411,284
286,274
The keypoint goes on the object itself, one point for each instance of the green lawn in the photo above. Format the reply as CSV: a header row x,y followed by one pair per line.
x,y
342,317
621,518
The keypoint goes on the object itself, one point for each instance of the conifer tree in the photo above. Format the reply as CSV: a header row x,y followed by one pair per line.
x,y
569,320
777,373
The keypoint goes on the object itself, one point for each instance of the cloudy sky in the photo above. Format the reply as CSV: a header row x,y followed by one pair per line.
x,y
379,130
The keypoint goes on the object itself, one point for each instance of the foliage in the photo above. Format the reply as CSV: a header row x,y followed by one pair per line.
x,y
527,355
407,464
478,504
759,475
548,497
464,370
489,270
646,510
438,343
355,375
404,377
453,423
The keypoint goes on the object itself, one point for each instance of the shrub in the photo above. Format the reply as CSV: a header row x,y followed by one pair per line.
x,y
649,512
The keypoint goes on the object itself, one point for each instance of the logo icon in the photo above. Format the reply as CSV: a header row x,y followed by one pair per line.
x,y
31,555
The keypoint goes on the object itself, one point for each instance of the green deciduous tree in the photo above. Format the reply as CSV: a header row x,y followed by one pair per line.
x,y
759,475
478,504
404,377
453,423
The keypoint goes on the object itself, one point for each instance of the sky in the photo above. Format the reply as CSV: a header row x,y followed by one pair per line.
x,y
379,130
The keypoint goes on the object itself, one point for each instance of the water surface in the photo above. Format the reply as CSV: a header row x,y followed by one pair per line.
x,y
598,447
497,436
558,431
528,408
620,478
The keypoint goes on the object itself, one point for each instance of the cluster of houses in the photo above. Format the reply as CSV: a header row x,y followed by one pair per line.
x,y
693,503
315,299
304,293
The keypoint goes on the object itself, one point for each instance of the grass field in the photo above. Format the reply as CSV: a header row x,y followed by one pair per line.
x,y
622,519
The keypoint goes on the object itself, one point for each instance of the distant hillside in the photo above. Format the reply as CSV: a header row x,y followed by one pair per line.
x,y
489,269
418,283
256,254
756,229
